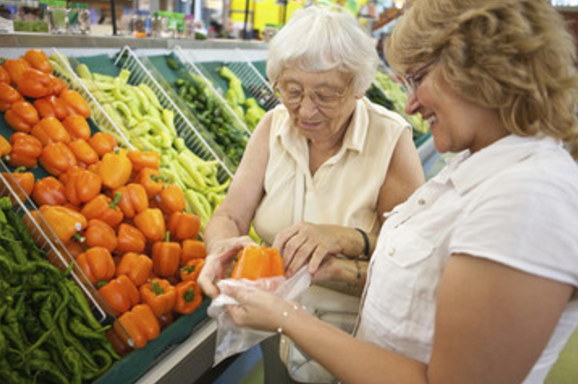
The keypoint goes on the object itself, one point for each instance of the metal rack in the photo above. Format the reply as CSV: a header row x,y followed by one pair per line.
x,y
142,71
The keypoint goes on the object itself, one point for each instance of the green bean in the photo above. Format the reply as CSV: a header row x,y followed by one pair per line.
x,y
82,305
71,360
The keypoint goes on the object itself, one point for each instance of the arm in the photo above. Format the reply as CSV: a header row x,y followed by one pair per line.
x,y
309,243
483,333
226,232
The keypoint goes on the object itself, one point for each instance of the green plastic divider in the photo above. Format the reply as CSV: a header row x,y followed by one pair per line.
x,y
261,66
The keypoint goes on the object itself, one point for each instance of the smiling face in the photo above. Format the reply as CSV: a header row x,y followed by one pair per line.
x,y
456,124
314,122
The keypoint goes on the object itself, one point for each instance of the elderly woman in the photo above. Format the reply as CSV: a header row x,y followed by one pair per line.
x,y
474,278
321,169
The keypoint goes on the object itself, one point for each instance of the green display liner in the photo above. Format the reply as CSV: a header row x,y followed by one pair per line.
x,y
138,362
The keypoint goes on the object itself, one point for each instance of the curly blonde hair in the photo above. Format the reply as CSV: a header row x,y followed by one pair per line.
x,y
515,56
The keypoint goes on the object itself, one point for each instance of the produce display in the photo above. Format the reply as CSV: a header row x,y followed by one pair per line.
x,y
118,222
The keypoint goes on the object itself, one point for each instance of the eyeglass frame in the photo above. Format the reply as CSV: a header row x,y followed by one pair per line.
x,y
315,98
409,81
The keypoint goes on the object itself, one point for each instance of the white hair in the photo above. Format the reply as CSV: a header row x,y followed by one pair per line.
x,y
317,40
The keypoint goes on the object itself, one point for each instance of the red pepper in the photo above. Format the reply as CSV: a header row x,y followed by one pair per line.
x,y
184,225
50,130
16,68
26,149
21,116
130,239
151,223
189,297
77,105
57,158
34,83
136,266
140,323
172,199
103,208
120,294
51,106
102,143
134,199
100,234
77,127
97,264
8,96
38,60
166,257
49,191
84,153
82,186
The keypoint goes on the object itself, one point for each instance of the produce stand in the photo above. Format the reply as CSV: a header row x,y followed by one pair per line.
x,y
184,351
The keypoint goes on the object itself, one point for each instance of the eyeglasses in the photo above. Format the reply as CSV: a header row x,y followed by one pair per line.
x,y
323,98
413,80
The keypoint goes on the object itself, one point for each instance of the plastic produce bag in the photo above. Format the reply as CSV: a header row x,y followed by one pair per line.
x,y
232,339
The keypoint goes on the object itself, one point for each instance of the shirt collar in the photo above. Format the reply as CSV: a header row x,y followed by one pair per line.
x,y
470,170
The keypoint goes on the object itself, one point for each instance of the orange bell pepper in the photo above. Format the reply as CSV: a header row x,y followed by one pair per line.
x,y
183,225
151,223
166,257
103,208
77,105
102,143
189,297
22,183
34,83
16,68
5,147
136,266
134,199
172,199
4,76
130,239
191,270
97,264
49,191
65,176
77,127
26,149
58,85
144,159
151,180
82,186
57,158
257,262
120,294
50,130
140,323
8,96
51,106
65,222
100,234
192,249
21,116
38,60
84,153
160,295
115,170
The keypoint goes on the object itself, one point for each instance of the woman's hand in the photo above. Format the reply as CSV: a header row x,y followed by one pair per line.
x,y
220,262
340,269
258,309
306,243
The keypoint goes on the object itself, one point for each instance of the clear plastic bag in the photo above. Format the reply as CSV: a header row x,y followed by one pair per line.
x,y
232,339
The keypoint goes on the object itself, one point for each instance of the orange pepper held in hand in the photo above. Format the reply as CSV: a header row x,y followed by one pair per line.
x,y
97,264
166,257
257,262
120,294
26,150
189,297
49,191
140,323
114,170
136,266
160,295
21,116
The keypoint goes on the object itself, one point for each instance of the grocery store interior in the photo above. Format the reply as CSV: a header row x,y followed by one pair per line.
x,y
149,75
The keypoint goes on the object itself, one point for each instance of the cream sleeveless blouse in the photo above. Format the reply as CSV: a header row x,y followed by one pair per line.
x,y
344,190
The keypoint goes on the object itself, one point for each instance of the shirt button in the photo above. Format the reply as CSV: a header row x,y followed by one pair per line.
x,y
391,251
421,201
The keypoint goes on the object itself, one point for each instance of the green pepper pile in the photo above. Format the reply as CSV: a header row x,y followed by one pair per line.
x,y
48,333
